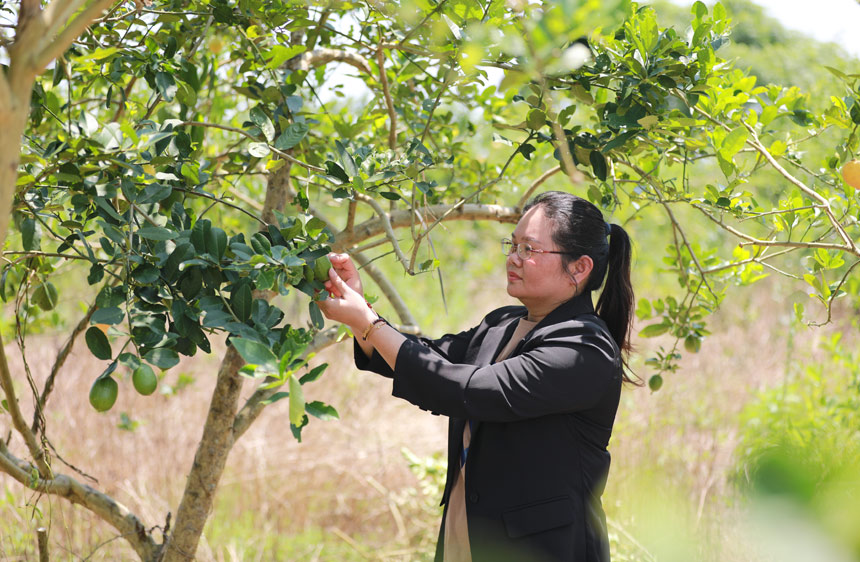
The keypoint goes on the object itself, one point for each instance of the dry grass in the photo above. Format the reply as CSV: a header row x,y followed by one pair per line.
x,y
346,493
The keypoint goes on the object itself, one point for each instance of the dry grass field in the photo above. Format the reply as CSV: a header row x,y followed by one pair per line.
x,y
347,493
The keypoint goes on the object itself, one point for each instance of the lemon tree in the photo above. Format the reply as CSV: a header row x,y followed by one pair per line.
x,y
193,162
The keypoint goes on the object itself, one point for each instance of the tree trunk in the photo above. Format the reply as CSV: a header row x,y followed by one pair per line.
x,y
13,119
209,462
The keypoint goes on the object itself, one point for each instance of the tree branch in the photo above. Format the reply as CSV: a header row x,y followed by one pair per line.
x,y
472,211
386,225
824,203
752,241
320,57
72,30
257,401
392,115
36,451
58,364
237,130
389,290
536,184
104,506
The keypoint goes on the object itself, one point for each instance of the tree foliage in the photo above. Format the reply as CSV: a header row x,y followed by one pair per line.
x,y
191,160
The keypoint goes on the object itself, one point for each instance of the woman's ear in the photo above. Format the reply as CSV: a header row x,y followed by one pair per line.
x,y
581,269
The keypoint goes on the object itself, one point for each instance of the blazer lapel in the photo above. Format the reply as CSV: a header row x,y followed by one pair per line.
x,y
493,342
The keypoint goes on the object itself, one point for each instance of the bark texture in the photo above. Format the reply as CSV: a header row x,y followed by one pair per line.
x,y
209,462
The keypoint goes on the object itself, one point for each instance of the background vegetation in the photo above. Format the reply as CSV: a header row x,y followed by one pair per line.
x,y
747,452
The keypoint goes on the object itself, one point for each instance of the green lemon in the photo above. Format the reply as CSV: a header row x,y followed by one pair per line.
x,y
103,394
655,382
144,380
45,296
321,267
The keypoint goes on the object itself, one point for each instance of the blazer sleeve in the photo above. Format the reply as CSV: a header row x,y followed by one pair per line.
x,y
450,347
568,369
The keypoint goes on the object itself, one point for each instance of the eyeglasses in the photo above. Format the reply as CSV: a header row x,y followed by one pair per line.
x,y
524,251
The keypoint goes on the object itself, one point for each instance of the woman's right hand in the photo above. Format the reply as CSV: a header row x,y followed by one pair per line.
x,y
346,270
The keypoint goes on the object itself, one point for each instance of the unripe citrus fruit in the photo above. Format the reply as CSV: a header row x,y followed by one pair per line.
x,y
655,382
851,173
144,380
45,296
321,267
103,394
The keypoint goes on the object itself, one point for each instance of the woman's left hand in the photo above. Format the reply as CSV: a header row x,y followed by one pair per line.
x,y
346,305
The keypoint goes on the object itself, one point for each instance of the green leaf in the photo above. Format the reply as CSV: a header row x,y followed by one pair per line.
x,y
322,411
241,301
162,357
156,233
258,149
261,119
111,315
734,142
314,374
166,85
31,235
255,353
292,136
316,315
216,242
98,343
655,330
154,193
598,164
336,171
346,159
281,54
297,402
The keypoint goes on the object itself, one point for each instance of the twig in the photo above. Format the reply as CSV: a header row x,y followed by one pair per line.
x,y
17,418
834,294
389,230
387,288
237,130
350,216
392,116
58,364
536,184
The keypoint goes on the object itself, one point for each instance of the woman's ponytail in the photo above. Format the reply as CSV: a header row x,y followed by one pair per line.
x,y
615,305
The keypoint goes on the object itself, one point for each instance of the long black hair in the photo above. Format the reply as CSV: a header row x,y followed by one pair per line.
x,y
580,230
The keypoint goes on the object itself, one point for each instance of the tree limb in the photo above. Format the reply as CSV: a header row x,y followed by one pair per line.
x,y
386,225
36,451
472,211
58,364
104,506
536,184
257,401
70,32
320,57
388,289
392,115
825,204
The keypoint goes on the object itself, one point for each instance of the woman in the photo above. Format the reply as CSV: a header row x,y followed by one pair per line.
x,y
531,392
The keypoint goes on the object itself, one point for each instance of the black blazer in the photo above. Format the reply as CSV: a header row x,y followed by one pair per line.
x,y
538,462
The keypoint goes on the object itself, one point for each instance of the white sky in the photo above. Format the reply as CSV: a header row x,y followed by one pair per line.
x,y
826,20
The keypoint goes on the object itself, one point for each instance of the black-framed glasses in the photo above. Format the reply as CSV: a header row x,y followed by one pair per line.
x,y
524,251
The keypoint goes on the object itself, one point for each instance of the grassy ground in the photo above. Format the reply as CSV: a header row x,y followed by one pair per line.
x,y
347,492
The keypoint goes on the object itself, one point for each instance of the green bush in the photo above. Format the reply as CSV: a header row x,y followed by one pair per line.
x,y
800,442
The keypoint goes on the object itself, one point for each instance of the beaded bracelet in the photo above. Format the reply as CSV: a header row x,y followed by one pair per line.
x,y
373,325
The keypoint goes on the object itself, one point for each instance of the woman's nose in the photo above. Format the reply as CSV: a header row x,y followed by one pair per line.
x,y
514,258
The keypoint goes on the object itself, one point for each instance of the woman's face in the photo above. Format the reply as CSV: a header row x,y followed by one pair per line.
x,y
538,282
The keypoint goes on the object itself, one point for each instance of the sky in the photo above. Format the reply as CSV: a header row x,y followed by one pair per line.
x,y
826,20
